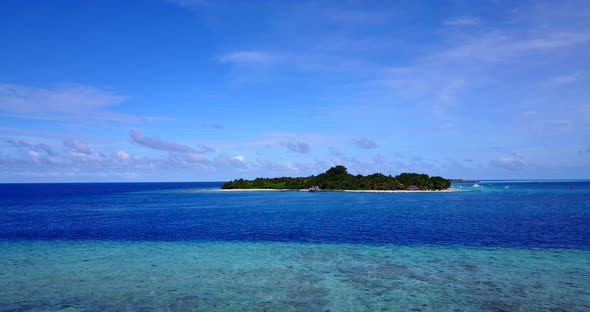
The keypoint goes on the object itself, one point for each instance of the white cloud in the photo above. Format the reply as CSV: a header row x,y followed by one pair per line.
x,y
34,156
80,161
239,162
236,162
120,156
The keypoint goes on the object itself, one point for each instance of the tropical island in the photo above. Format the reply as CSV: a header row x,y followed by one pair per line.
x,y
338,179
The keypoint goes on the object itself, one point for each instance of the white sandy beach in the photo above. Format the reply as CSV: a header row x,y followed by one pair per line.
x,y
402,191
240,190
451,190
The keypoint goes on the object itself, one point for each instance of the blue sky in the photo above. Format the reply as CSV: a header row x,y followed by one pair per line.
x,y
207,90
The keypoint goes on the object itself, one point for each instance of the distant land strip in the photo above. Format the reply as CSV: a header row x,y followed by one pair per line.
x,y
338,179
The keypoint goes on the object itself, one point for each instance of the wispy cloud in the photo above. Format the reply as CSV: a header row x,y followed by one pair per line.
x,y
163,145
249,57
296,146
82,152
471,60
354,16
510,161
502,46
565,79
66,102
235,162
584,113
20,144
78,146
564,116
448,91
365,143
213,126
462,21
300,142
41,154
276,168
191,4
71,99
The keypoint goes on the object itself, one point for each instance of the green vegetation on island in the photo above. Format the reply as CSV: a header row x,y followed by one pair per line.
x,y
337,178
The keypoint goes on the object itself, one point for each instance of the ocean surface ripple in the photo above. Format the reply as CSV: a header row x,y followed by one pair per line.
x,y
534,215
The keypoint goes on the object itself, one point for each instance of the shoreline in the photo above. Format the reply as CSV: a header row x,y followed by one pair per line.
x,y
401,191
451,190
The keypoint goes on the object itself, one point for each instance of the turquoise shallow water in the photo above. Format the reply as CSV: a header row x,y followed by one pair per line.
x,y
267,276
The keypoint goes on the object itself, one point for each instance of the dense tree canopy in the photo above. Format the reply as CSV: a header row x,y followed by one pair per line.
x,y
338,178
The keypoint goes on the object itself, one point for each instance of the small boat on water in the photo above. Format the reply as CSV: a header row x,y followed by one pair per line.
x,y
489,185
315,189
477,186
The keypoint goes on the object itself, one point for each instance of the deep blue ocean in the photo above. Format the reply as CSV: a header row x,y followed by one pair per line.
x,y
511,245
534,214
